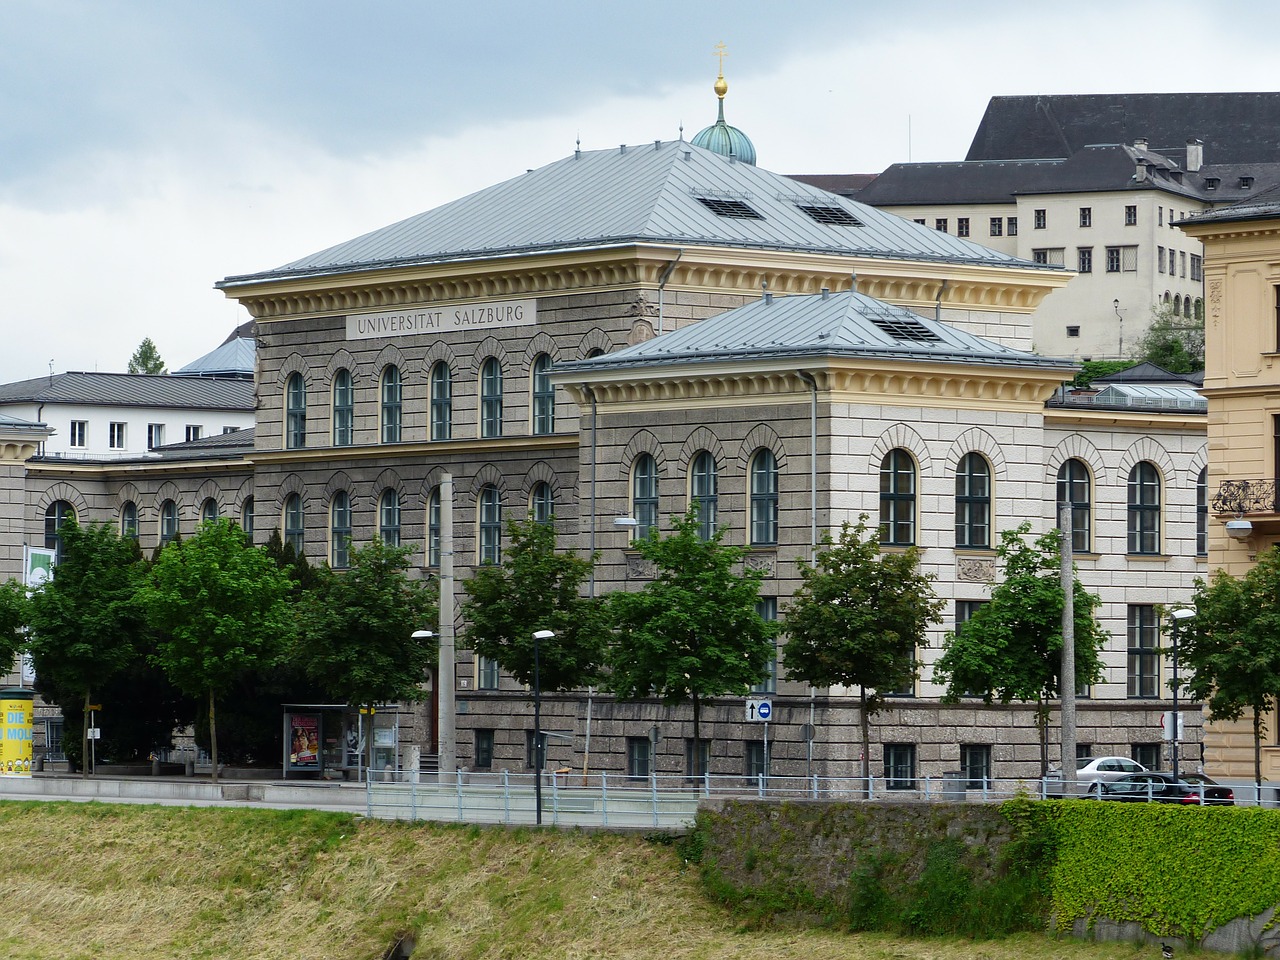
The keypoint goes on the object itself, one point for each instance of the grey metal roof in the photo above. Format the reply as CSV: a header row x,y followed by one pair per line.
x,y
646,194
133,390
233,358
1151,374
233,442
836,324
1263,206
8,422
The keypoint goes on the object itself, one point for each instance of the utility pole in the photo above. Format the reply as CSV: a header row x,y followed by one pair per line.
x,y
1068,691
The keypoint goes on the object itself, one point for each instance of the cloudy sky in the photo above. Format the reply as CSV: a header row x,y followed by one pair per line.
x,y
149,148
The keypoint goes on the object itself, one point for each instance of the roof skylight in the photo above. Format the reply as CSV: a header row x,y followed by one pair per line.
x,y
823,213
724,207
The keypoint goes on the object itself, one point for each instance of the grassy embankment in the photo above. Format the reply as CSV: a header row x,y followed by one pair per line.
x,y
117,881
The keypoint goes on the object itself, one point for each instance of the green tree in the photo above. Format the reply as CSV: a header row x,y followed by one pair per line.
x,y
693,631
537,587
1230,650
1173,342
857,620
1011,648
356,629
14,615
146,359
220,604
1091,370
86,626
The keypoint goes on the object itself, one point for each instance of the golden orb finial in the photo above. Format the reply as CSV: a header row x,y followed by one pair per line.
x,y
722,86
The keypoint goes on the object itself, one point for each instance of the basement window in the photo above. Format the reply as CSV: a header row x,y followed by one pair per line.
x,y
723,207
836,216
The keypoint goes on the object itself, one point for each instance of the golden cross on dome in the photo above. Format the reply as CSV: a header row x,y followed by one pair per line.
x,y
721,51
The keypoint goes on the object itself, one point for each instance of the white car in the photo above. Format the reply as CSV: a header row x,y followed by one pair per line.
x,y
1092,769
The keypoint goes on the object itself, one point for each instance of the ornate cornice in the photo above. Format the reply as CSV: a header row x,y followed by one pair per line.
x,y
914,283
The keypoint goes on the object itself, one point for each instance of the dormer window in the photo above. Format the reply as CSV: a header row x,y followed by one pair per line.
x,y
1211,183
1246,183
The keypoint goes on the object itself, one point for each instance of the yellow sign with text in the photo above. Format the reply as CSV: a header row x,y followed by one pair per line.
x,y
16,715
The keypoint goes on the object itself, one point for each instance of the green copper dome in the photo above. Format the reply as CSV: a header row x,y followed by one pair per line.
x,y
723,139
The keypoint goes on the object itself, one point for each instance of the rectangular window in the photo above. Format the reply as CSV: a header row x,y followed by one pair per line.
x,y
226,429
1012,225
1197,267
965,609
940,224
697,762
79,433
486,673
755,762
1086,216
1131,215
962,226
1084,751
1040,256
155,435
1160,259
193,432
767,607
1113,259
900,766
639,757
1053,256
1073,331
1159,216
115,435
997,226
1144,645
1084,258
920,220
1182,264
1147,754
484,749
975,764
1038,221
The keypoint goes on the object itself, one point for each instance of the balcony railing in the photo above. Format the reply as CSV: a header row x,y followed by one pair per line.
x,y
1238,497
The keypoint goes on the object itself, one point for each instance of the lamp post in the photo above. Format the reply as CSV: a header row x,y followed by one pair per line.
x,y
1178,616
538,637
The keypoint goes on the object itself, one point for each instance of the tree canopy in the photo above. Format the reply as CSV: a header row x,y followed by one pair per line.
x,y
14,614
693,631
146,359
1173,342
1011,648
537,587
858,618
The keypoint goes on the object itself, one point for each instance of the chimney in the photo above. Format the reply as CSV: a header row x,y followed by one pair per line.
x,y
1195,155
1140,143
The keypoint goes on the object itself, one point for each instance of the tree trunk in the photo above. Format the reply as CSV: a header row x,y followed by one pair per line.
x,y
368,746
84,739
1257,754
864,724
213,738
1042,722
696,764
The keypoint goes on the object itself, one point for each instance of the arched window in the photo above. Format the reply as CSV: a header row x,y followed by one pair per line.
x,y
389,517
1074,489
489,508
208,510
391,407
542,503
1202,512
544,396
764,498
343,409
129,520
293,522
168,521
295,417
973,502
1186,308
441,402
340,531
246,518
433,528
491,398
703,494
644,495
1199,309
1177,305
1144,509
898,499
57,513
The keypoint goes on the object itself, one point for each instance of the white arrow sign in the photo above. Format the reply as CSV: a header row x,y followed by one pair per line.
x,y
759,711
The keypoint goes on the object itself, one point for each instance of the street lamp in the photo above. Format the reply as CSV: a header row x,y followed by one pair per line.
x,y
538,637
1182,613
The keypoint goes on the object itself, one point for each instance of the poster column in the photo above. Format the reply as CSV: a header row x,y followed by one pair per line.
x,y
16,709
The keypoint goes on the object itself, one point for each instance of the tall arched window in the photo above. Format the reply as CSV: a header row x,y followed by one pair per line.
x,y
441,402
293,522
703,494
433,528
389,517
340,530
489,508
391,407
544,396
129,520
168,521
57,513
209,510
343,409
1202,512
246,518
644,494
295,417
1144,509
764,498
491,398
1074,489
541,503
973,502
898,499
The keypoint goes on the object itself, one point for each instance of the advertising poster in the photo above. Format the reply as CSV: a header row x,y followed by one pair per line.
x,y
15,733
38,566
304,750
